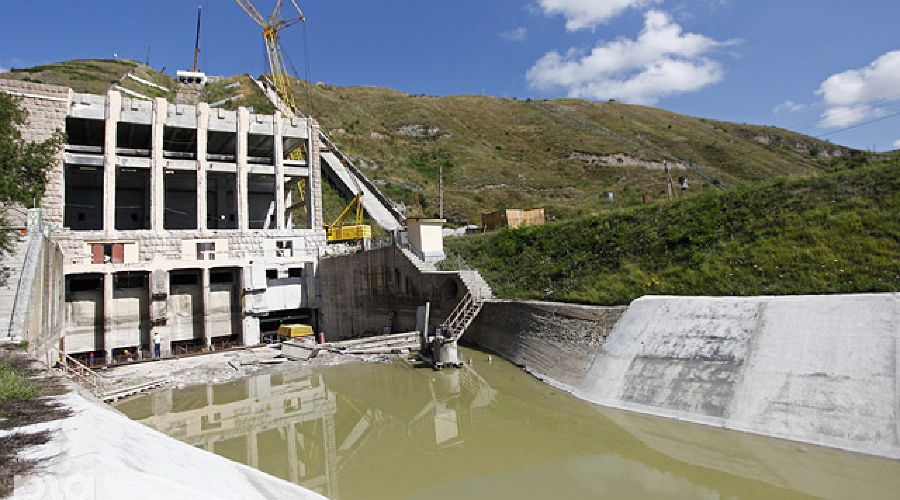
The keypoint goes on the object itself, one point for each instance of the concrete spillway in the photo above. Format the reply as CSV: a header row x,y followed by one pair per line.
x,y
819,369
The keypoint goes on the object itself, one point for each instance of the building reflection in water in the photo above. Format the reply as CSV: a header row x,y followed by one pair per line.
x,y
288,424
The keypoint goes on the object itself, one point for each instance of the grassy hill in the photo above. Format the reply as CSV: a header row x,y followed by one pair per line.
x,y
560,154
837,232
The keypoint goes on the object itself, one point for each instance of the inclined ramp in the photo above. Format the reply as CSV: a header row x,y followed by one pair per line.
x,y
819,369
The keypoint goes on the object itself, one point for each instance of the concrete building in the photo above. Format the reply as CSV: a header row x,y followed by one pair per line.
x,y
183,219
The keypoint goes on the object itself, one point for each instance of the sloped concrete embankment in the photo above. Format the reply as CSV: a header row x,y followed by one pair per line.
x,y
818,369
100,453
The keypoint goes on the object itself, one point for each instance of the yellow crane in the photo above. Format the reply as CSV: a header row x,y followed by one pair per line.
x,y
337,231
272,26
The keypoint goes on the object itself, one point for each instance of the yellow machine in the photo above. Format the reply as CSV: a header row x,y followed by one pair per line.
x,y
294,331
337,231
271,29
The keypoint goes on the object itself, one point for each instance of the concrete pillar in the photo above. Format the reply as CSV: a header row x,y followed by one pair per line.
x,y
157,164
279,171
202,163
314,182
252,450
293,463
113,112
207,320
243,127
159,292
107,315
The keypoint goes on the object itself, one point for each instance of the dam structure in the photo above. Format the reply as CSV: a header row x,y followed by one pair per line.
x,y
175,219
197,223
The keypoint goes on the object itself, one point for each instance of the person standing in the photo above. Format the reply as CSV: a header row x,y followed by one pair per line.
x,y
157,344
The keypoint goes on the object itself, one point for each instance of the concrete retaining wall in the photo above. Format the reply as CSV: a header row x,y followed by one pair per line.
x,y
553,341
818,369
378,292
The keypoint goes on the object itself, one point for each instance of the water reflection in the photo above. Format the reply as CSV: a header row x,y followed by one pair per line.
x,y
485,430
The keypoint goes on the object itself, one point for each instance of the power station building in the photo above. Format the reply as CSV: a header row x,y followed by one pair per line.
x,y
187,220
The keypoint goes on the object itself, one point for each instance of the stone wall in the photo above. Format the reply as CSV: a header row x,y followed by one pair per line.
x,y
47,106
553,341
379,290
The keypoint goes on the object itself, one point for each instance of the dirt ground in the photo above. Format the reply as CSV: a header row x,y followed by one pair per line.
x,y
19,413
213,368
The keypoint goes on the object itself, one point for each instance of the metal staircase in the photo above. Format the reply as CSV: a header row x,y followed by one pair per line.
x,y
462,316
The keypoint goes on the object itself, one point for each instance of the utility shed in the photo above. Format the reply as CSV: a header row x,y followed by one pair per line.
x,y
512,218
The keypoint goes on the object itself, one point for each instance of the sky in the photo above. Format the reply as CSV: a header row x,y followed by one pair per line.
x,y
825,68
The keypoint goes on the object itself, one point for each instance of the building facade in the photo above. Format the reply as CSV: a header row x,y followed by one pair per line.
x,y
203,224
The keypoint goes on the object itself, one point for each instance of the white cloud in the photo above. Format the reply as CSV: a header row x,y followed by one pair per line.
x,y
517,35
661,61
789,105
853,95
582,14
897,144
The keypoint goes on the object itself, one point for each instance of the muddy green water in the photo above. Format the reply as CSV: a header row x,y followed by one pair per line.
x,y
488,430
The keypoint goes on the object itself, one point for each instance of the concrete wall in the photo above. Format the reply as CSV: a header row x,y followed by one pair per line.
x,y
84,321
369,292
129,323
553,341
819,369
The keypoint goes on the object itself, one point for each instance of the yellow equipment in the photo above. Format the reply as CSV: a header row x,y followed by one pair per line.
x,y
294,331
337,231
271,29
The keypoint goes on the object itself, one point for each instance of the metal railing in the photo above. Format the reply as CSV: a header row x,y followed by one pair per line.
x,y
87,377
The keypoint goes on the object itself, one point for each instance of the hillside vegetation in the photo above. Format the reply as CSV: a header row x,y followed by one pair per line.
x,y
837,232
561,154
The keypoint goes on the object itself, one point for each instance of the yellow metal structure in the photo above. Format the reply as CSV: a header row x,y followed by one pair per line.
x,y
337,231
272,27
293,331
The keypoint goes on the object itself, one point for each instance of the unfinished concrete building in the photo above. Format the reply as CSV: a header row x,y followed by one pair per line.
x,y
178,219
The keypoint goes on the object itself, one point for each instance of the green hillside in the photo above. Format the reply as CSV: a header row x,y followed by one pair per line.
x,y
837,232
495,152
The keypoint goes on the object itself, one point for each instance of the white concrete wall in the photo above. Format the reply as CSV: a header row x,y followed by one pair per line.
x,y
129,312
223,310
83,319
185,307
819,369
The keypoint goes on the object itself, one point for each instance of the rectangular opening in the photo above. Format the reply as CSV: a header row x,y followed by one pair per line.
x,y
84,283
294,148
83,210
261,200
132,198
180,200
221,146
260,149
183,278
206,251
284,248
83,328
271,274
179,142
221,202
221,276
295,272
85,132
107,253
133,139
130,279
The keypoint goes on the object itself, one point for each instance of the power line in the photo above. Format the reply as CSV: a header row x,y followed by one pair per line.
x,y
858,125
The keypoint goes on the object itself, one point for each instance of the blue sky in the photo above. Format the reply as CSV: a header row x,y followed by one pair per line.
x,y
816,67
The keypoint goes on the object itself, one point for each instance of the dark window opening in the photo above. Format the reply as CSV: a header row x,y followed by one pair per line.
x,y
130,280
133,139
295,272
184,279
85,132
271,274
179,142
221,203
180,200
206,251
221,277
83,210
132,199
260,149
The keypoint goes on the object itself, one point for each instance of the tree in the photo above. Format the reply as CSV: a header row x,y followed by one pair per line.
x,y
23,165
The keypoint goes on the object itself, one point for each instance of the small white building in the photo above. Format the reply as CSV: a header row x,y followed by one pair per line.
x,y
426,238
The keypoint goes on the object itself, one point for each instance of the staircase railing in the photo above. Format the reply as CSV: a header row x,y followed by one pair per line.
x,y
462,315
87,377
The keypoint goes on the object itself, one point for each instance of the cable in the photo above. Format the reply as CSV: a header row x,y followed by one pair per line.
x,y
858,125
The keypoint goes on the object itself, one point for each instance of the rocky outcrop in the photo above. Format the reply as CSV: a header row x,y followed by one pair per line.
x,y
624,160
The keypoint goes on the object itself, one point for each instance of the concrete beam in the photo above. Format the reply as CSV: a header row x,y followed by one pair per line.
x,y
279,171
207,323
243,125
113,112
202,163
157,165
